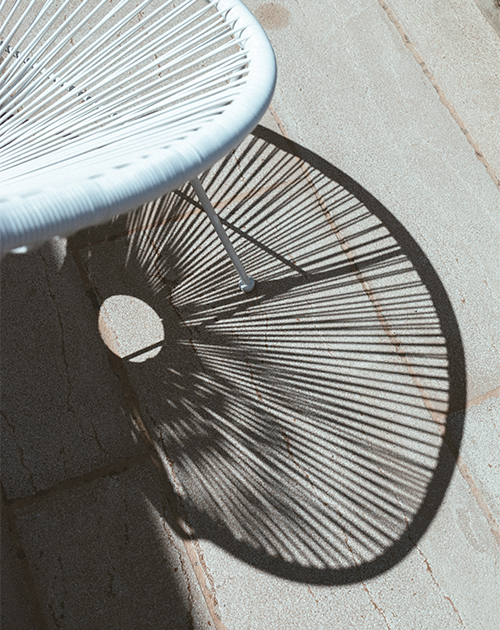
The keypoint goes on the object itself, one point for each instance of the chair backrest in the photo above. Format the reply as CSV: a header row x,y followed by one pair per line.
x,y
107,105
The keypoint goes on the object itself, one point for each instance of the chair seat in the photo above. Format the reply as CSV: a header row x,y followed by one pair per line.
x,y
105,106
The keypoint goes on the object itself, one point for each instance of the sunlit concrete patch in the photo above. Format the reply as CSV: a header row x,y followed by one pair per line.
x,y
481,446
131,328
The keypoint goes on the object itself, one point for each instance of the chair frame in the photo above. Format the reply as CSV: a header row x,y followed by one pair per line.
x,y
139,154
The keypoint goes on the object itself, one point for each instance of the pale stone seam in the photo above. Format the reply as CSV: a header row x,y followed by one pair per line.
x,y
494,393
442,97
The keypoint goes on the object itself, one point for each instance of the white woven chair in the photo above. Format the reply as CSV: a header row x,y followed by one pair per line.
x,y
106,105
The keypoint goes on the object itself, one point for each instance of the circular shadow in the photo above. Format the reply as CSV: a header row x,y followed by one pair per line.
x,y
307,423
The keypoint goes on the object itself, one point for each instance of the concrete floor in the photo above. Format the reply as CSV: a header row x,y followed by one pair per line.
x,y
322,453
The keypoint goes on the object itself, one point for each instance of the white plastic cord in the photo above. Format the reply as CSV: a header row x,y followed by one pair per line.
x,y
107,105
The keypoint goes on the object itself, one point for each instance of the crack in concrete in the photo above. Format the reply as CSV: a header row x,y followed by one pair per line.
x,y
69,406
490,10
421,553
475,491
205,581
209,587
19,449
429,570
494,393
376,606
288,446
442,96
365,587
187,581
312,594
118,466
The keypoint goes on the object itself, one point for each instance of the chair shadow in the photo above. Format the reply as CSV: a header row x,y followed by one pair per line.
x,y
307,424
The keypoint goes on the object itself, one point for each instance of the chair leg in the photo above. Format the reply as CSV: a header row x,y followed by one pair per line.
x,y
246,282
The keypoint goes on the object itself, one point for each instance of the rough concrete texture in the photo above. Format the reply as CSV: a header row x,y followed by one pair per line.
x,y
16,608
63,414
321,453
491,11
480,447
102,557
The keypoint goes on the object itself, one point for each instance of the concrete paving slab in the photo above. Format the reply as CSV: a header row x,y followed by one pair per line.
x,y
462,52
449,581
463,555
406,597
63,413
252,599
103,557
350,90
